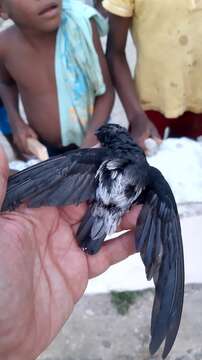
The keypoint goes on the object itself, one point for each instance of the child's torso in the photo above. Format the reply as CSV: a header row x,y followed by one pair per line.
x,y
33,71
169,69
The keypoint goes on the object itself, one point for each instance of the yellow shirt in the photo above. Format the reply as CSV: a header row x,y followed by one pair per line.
x,y
168,38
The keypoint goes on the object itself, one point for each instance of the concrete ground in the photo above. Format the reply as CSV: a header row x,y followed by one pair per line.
x,y
96,331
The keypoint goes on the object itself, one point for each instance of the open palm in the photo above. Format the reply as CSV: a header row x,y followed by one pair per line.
x,y
43,273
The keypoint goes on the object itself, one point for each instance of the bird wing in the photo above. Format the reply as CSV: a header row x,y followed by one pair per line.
x,y
159,241
61,180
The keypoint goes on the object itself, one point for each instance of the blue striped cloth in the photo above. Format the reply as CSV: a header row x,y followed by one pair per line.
x,y
78,74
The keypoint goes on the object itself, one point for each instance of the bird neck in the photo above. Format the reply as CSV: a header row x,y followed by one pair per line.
x,y
125,143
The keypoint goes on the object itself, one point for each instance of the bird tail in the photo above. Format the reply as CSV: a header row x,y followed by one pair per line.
x,y
91,232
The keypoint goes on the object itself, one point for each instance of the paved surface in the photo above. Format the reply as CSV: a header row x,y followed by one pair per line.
x,y
96,331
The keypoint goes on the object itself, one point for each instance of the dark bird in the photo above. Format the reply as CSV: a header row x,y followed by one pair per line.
x,y
113,178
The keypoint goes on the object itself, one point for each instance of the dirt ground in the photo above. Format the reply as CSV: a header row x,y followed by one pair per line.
x,y
98,331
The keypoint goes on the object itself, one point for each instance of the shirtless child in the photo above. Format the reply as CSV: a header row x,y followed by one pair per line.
x,y
27,67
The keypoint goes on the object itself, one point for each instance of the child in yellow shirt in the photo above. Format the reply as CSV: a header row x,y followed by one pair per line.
x,y
166,90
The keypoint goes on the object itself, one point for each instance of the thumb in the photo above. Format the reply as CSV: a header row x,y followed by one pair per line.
x,y
3,174
130,218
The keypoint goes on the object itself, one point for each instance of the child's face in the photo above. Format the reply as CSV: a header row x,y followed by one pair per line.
x,y
40,15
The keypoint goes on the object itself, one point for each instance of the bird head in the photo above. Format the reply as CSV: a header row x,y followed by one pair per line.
x,y
109,132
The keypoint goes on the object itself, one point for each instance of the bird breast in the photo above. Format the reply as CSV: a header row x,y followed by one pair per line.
x,y
112,191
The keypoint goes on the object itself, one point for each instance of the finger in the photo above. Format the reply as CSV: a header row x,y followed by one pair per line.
x,y
3,174
20,143
154,133
129,220
73,214
158,140
96,146
142,139
112,252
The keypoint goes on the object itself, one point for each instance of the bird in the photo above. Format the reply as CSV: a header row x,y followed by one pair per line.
x,y
112,178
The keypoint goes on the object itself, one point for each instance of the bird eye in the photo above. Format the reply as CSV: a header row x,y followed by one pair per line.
x,y
129,190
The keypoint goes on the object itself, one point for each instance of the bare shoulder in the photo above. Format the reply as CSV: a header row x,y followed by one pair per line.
x,y
7,38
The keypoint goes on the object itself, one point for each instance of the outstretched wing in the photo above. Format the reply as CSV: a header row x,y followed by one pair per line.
x,y
159,241
62,180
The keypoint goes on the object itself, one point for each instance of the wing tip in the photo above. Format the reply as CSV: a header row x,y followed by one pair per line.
x,y
153,348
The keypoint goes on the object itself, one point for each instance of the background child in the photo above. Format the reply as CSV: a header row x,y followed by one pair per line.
x,y
167,87
60,72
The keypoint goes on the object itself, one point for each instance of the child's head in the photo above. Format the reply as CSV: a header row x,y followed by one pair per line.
x,y
39,15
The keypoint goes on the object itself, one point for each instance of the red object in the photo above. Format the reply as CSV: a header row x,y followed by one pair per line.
x,y
188,124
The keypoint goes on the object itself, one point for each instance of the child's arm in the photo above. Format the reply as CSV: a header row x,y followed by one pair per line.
x,y
104,103
141,127
9,96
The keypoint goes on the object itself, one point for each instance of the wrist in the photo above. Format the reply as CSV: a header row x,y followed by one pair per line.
x,y
18,125
90,139
139,118
136,115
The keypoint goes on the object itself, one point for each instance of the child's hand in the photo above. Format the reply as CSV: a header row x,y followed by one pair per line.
x,y
20,136
90,139
142,128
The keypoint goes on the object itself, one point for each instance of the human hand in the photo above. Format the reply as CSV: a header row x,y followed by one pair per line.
x,y
43,272
142,128
90,140
20,136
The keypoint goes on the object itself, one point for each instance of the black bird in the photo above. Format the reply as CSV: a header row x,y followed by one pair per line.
x,y
113,178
